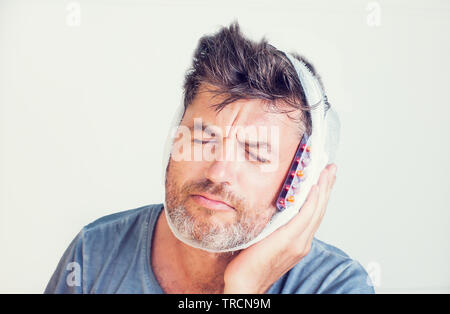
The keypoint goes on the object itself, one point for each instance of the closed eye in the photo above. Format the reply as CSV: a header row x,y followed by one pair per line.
x,y
257,158
202,141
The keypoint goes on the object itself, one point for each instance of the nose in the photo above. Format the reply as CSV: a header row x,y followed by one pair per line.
x,y
225,166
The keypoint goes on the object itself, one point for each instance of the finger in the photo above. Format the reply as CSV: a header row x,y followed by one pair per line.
x,y
302,219
333,169
332,179
290,231
310,208
325,184
316,225
306,237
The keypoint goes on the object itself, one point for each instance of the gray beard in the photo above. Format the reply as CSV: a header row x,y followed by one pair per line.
x,y
209,236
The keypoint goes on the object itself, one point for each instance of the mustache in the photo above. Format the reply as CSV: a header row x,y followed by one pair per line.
x,y
221,190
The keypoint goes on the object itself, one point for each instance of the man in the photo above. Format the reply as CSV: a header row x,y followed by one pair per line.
x,y
223,197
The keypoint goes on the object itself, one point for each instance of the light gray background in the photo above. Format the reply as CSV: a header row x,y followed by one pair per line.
x,y
85,110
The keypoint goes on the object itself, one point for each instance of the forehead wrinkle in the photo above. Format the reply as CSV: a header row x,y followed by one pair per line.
x,y
245,112
237,110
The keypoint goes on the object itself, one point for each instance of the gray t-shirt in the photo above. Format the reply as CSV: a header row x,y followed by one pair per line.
x,y
113,255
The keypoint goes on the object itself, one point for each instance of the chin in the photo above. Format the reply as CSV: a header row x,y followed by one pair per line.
x,y
206,229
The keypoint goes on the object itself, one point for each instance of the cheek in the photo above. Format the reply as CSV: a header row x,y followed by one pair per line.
x,y
267,185
263,188
184,171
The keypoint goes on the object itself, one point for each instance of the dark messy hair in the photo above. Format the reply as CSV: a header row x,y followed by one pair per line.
x,y
243,69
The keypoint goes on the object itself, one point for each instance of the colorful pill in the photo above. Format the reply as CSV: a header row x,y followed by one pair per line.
x,y
305,162
290,199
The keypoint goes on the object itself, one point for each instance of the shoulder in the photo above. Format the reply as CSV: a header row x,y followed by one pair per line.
x,y
326,269
114,234
108,245
116,245
123,220
329,249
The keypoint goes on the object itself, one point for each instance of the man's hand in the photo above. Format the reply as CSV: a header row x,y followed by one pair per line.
x,y
256,268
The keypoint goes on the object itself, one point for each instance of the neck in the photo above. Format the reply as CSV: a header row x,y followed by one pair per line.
x,y
191,268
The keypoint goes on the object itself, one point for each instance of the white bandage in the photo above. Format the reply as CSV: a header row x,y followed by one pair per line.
x,y
323,141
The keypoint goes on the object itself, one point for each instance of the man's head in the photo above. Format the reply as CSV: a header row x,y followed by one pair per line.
x,y
244,110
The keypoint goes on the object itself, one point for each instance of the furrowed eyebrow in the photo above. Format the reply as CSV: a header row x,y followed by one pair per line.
x,y
255,145
210,131
260,145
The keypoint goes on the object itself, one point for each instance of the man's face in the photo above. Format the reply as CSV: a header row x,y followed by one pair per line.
x,y
222,192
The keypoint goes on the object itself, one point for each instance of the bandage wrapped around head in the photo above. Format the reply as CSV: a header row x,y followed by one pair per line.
x,y
323,142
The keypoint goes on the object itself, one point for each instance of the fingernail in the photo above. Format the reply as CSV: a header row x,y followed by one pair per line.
x,y
334,170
